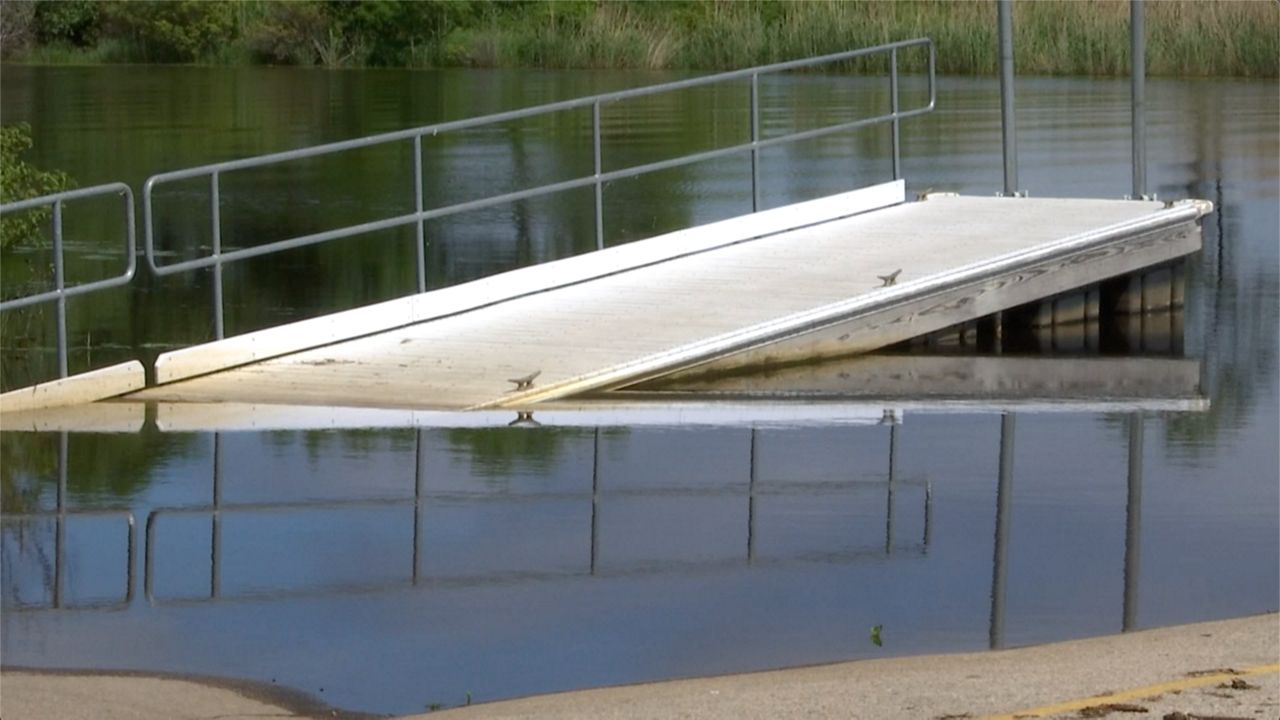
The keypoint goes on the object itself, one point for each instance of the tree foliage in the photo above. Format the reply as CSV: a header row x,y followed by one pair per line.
x,y
172,30
74,22
20,181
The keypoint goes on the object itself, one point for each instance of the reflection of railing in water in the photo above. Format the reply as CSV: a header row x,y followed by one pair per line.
x,y
1132,527
61,516
754,491
419,501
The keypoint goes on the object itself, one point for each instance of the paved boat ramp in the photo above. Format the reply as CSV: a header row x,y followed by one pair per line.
x,y
795,283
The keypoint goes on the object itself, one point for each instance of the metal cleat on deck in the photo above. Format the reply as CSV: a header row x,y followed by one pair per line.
x,y
525,382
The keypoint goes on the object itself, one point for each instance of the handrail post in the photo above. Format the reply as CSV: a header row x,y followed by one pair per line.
x,y
215,213
893,105
60,284
1008,134
755,139
420,235
1137,58
599,165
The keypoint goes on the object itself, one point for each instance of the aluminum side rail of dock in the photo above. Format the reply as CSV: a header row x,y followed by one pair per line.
x,y
797,282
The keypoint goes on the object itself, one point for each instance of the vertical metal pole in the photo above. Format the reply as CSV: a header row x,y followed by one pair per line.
x,y
215,212
1008,134
595,144
60,531
595,501
751,502
421,233
59,282
1137,58
1004,501
419,479
1133,524
215,540
893,472
755,138
893,104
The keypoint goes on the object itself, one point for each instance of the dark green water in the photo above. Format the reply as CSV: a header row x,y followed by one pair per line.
x,y
390,569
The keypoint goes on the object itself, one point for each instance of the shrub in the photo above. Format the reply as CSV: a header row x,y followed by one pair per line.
x,y
74,22
20,181
172,31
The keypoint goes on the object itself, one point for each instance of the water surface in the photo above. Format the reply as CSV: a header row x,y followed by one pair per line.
x,y
391,569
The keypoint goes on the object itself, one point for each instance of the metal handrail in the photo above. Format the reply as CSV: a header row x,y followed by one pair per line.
x,y
217,257
61,292
598,178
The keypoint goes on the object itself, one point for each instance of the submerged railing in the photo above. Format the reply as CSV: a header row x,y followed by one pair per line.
x,y
218,256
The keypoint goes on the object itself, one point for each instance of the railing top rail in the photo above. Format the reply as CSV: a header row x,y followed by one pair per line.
x,y
586,101
43,200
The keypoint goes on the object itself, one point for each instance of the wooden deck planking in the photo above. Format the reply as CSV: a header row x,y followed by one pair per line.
x,y
592,333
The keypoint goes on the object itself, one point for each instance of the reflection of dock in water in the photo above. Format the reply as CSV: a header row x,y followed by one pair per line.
x,y
997,381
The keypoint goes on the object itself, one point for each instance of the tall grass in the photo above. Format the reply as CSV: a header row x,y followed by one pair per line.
x,y
1052,37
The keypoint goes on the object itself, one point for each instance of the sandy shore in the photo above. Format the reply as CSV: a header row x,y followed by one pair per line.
x,y
1218,670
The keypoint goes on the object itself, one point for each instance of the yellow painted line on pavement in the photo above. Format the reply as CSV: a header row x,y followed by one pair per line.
x,y
1137,693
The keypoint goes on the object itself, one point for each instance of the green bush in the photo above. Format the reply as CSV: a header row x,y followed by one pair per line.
x,y
73,22
172,31
20,181
291,33
392,32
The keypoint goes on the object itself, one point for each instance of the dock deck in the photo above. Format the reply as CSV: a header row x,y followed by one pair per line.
x,y
796,282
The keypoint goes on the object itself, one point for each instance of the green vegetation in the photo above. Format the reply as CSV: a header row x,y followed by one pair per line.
x,y
1054,37
19,181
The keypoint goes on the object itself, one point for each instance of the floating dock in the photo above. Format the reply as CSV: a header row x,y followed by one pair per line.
x,y
833,277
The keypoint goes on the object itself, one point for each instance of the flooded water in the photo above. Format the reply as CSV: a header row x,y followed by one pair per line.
x,y
391,568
